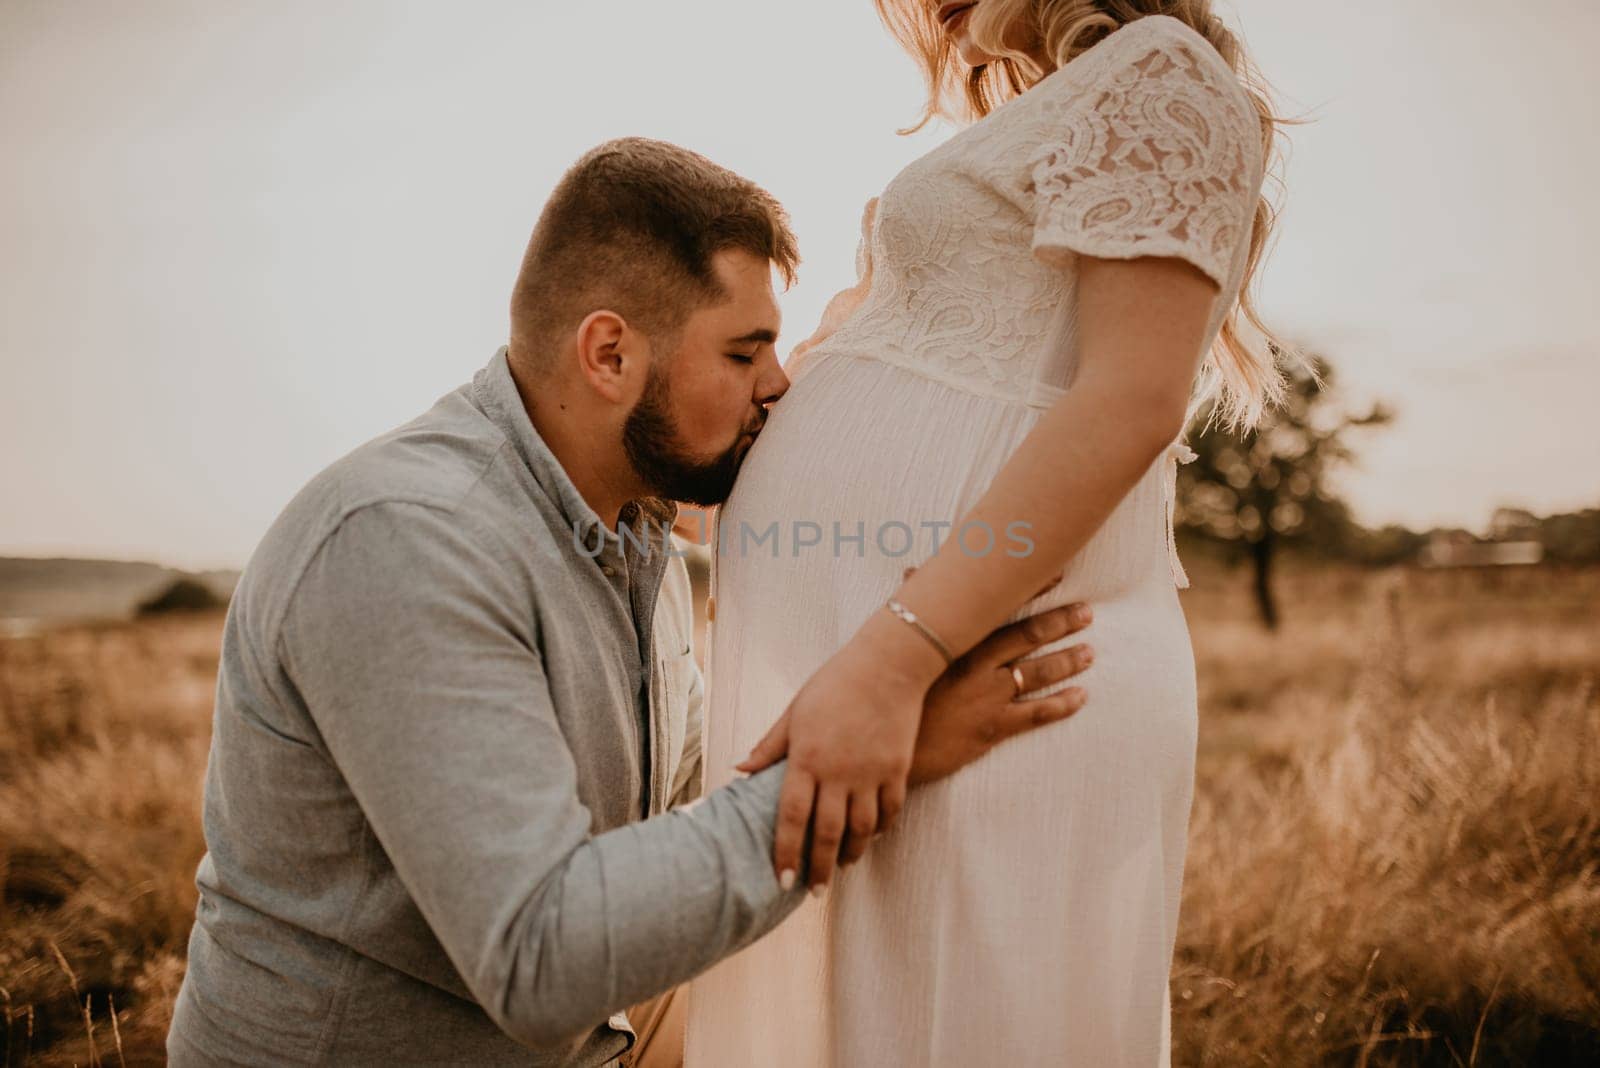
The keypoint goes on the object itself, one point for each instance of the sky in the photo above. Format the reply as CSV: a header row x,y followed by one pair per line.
x,y
237,240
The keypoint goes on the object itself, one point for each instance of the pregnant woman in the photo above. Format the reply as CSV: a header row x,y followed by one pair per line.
x,y
1046,298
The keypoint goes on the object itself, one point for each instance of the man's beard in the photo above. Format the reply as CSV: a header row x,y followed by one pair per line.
x,y
650,439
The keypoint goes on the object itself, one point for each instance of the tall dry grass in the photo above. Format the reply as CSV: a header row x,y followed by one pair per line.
x,y
1395,846
1393,855
103,736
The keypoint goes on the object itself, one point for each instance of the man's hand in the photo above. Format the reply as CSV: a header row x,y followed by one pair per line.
x,y
975,705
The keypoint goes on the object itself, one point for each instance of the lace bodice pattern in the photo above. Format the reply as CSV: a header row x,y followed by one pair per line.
x,y
1145,145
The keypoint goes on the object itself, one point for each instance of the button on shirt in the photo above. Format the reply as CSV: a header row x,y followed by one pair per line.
x,y
441,721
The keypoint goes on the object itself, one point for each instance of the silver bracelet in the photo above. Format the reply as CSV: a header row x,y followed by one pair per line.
x,y
909,616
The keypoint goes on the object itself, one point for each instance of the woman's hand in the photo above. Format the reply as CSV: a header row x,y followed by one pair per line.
x,y
849,735
852,774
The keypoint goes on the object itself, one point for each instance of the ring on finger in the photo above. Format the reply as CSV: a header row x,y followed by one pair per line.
x,y
1016,677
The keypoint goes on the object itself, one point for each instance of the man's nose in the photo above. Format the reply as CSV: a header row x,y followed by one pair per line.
x,y
772,385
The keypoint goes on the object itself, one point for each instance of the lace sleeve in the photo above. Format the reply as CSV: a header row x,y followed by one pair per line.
x,y
864,246
1160,157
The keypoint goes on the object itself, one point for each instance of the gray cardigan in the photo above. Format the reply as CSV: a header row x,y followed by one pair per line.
x,y
438,805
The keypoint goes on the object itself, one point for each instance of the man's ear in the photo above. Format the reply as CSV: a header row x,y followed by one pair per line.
x,y
609,355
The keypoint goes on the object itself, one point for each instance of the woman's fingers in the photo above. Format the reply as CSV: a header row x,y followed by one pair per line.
x,y
863,824
770,749
794,812
1041,671
827,831
891,799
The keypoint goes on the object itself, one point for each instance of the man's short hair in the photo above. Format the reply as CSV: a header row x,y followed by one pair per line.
x,y
632,227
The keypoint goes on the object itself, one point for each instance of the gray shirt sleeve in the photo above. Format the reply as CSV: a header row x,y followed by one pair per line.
x,y
412,656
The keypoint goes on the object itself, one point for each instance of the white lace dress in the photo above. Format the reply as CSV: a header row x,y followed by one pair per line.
x,y
1023,911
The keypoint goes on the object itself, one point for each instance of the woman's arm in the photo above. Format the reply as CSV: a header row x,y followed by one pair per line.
x,y
850,730
1141,325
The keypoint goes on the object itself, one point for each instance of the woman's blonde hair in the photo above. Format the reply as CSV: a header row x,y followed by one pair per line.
x,y
1241,373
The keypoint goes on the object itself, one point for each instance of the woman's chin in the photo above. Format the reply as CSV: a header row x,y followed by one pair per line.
x,y
971,54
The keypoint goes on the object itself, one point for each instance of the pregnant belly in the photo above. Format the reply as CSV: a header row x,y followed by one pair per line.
x,y
858,474
865,469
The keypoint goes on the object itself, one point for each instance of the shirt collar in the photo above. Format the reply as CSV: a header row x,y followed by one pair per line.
x,y
496,392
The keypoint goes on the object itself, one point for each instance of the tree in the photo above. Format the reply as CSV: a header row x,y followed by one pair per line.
x,y
1573,538
1262,489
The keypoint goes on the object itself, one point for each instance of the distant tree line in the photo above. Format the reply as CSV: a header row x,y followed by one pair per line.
x,y
1259,493
1573,538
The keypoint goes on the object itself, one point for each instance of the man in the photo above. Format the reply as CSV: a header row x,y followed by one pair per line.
x,y
451,725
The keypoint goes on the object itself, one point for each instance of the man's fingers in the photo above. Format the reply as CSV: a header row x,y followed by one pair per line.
x,y
1015,640
827,831
1052,584
863,824
770,749
1020,717
794,812
1041,671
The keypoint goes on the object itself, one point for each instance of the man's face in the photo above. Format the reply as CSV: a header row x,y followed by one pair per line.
x,y
699,415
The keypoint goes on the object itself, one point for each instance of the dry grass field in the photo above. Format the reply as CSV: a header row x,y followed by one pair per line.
x,y
1395,847
1395,850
